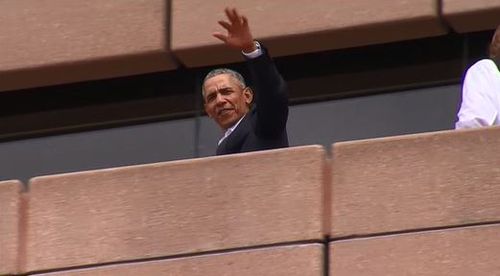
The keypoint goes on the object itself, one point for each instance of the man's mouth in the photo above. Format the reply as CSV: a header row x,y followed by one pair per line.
x,y
224,111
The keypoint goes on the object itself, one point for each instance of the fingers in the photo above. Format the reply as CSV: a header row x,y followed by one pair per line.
x,y
225,25
234,17
230,15
220,36
227,10
244,21
237,16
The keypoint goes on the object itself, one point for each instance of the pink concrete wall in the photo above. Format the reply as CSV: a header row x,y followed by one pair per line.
x,y
415,182
175,208
293,27
45,42
470,16
299,260
269,212
460,252
10,232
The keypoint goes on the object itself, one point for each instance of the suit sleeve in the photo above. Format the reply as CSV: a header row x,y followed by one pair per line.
x,y
271,96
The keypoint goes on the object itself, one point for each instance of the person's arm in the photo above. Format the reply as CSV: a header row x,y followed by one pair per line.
x,y
479,96
270,90
271,95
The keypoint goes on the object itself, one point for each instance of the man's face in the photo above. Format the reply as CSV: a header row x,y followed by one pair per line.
x,y
225,100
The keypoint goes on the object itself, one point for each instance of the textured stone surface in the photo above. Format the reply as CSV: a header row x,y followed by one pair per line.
x,y
293,27
460,252
48,42
416,181
297,260
175,208
9,225
469,16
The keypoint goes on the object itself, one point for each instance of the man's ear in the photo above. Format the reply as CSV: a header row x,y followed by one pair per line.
x,y
248,94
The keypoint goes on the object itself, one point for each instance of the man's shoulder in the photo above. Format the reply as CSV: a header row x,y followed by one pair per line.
x,y
485,69
484,65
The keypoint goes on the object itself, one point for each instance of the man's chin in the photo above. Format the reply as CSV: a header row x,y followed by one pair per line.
x,y
227,123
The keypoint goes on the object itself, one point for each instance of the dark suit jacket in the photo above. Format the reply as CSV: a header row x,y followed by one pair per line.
x,y
264,126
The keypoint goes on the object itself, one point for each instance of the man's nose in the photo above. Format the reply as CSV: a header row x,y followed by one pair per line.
x,y
219,99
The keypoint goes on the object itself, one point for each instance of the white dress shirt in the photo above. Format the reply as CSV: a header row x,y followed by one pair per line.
x,y
256,53
480,96
230,130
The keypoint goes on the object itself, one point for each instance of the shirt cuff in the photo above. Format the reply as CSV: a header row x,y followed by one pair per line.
x,y
256,53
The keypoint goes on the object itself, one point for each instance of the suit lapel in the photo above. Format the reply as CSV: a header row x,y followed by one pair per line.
x,y
235,140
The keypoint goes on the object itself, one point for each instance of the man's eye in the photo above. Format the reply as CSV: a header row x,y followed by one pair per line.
x,y
226,92
210,98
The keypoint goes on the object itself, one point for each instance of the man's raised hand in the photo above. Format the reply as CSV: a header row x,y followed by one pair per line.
x,y
238,32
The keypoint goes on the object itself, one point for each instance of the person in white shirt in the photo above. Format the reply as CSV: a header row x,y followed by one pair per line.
x,y
481,91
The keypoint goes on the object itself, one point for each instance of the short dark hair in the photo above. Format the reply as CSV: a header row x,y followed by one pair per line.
x,y
221,71
495,46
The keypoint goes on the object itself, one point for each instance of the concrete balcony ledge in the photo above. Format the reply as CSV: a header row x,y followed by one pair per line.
x,y
416,181
174,208
10,232
368,192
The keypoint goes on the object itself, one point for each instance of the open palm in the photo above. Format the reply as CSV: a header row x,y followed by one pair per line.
x,y
238,32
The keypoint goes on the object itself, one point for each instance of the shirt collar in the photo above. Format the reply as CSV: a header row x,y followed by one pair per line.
x,y
230,130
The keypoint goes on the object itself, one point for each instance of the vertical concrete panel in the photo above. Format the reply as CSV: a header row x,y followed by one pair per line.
x,y
416,181
460,252
293,27
9,225
175,208
47,42
299,260
470,16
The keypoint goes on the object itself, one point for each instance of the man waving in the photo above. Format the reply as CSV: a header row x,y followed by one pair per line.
x,y
251,119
